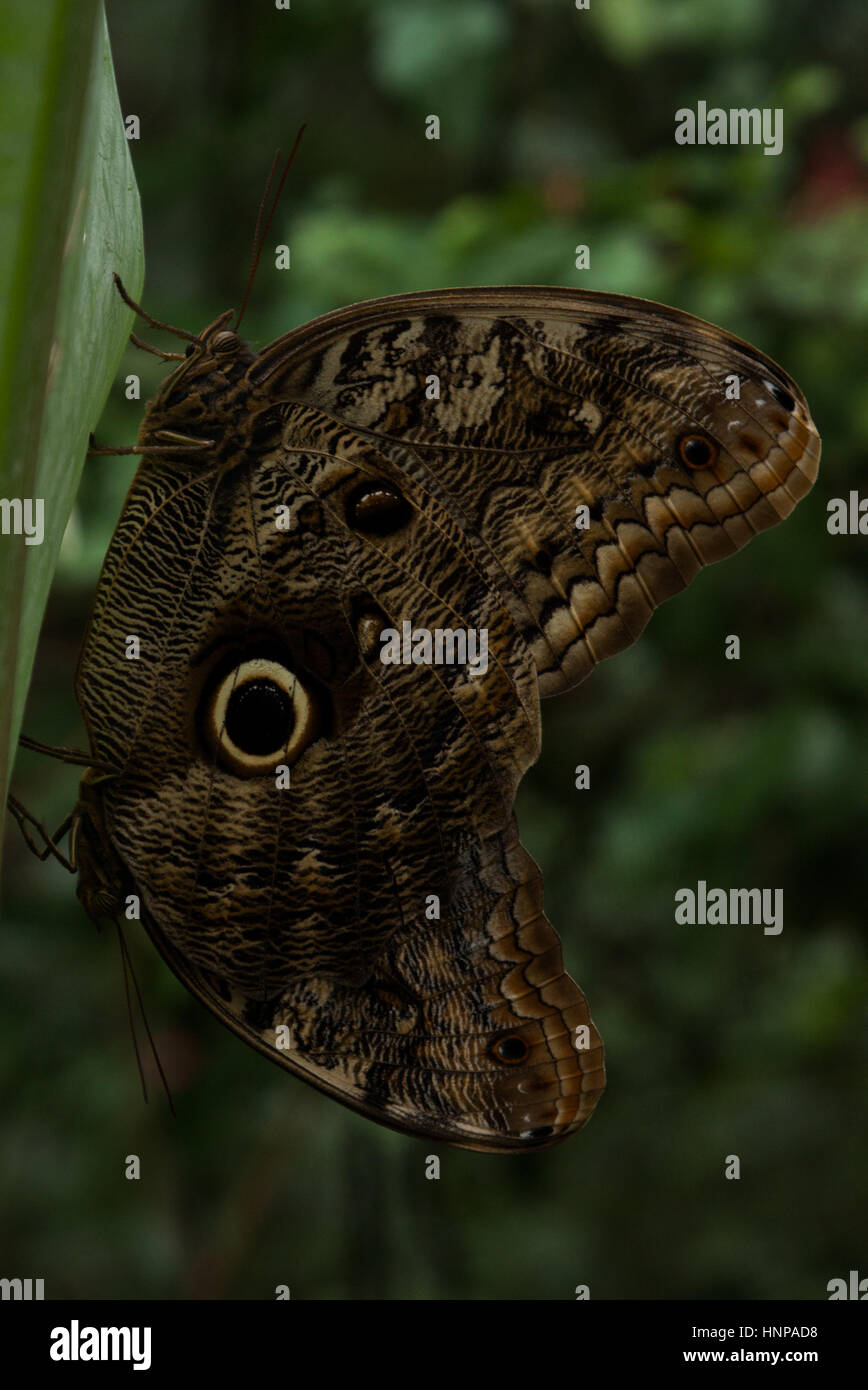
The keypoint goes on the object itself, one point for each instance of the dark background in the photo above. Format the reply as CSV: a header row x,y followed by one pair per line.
x,y
557,129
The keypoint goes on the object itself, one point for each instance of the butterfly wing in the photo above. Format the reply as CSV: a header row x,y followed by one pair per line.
x,y
468,1031
521,405
375,926
380,907
262,881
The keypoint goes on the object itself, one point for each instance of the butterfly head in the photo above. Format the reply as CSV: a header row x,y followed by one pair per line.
x,y
203,404
219,343
219,353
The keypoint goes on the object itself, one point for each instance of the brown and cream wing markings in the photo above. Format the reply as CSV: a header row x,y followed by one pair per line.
x,y
550,399
299,915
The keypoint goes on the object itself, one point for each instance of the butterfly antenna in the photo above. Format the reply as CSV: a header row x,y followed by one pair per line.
x,y
130,974
142,313
126,966
261,231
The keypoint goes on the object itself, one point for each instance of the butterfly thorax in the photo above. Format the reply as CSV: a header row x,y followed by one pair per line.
x,y
208,406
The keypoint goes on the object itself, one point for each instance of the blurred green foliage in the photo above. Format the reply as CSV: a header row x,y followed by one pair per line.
x,y
556,129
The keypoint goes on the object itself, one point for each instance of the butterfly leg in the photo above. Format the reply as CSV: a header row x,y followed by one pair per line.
x,y
195,446
49,846
63,755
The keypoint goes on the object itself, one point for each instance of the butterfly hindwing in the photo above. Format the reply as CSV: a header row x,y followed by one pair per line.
x,y
469,1030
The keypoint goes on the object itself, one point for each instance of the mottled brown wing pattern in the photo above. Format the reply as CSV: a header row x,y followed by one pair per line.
x,y
420,1047
308,908
302,915
550,399
256,882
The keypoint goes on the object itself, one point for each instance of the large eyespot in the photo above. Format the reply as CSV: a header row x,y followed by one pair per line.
x,y
256,715
511,1049
225,341
377,508
697,451
781,396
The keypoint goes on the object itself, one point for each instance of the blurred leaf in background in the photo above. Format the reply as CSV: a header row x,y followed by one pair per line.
x,y
556,130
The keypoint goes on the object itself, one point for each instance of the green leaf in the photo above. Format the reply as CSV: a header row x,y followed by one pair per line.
x,y
69,216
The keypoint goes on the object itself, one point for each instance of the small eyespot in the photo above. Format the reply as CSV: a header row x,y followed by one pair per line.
x,y
511,1049
258,715
377,509
369,626
782,397
542,562
697,451
225,341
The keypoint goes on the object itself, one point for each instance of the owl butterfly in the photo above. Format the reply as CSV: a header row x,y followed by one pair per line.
x,y
324,844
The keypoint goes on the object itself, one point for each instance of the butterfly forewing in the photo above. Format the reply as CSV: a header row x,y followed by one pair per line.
x,y
551,401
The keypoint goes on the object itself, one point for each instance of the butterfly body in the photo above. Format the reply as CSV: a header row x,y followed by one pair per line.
x,y
324,844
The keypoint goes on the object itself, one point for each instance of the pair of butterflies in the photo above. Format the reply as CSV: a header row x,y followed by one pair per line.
x,y
323,844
